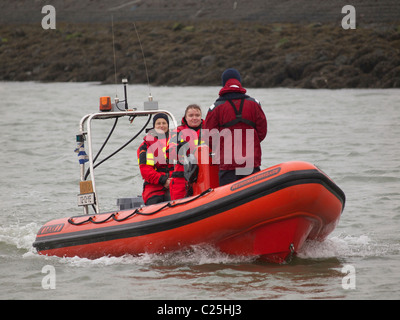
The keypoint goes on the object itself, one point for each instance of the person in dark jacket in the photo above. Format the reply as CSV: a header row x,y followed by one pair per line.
x,y
153,162
241,126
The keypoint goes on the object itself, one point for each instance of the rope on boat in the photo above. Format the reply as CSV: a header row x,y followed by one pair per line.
x,y
137,211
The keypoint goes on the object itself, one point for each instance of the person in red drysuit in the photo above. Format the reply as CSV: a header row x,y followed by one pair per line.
x,y
153,162
183,141
242,122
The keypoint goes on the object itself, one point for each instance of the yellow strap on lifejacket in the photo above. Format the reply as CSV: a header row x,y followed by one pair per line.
x,y
149,158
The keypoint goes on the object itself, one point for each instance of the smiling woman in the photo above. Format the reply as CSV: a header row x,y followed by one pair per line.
x,y
161,126
183,141
193,116
153,164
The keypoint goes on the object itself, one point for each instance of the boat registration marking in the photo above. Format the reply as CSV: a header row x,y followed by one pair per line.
x,y
85,199
254,178
51,228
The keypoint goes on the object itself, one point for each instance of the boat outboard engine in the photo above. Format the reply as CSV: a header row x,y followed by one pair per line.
x,y
130,203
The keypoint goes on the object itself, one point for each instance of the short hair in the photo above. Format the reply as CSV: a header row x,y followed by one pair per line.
x,y
192,106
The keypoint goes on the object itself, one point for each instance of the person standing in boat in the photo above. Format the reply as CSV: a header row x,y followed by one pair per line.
x,y
153,162
241,125
184,140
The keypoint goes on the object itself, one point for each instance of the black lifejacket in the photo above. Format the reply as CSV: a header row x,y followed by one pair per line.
x,y
239,117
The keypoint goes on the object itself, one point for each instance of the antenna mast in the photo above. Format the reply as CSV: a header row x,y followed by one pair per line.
x,y
115,60
144,61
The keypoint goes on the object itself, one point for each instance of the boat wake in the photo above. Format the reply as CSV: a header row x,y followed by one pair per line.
x,y
18,237
346,246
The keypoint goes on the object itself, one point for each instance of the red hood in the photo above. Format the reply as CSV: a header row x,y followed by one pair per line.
x,y
232,85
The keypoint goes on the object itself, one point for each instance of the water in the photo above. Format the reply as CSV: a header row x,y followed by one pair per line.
x,y
353,135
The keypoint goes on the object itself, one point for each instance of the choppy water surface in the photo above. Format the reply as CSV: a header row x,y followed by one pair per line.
x,y
353,135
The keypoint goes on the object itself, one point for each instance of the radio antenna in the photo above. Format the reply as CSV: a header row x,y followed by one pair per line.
x,y
144,61
115,60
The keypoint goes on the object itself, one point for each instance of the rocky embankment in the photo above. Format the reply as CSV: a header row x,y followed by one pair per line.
x,y
313,55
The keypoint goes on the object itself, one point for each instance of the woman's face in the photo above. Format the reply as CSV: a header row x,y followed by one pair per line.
x,y
161,125
193,117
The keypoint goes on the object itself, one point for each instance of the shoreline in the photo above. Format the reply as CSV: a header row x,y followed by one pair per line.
x,y
187,53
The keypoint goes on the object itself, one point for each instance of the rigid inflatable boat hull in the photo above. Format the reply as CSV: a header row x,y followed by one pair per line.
x,y
269,214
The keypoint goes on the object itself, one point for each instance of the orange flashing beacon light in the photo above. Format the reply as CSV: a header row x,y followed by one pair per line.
x,y
105,104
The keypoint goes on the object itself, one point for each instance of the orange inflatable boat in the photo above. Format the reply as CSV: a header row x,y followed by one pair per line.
x,y
267,215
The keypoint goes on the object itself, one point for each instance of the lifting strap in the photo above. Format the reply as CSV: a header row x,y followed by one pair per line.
x,y
239,117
